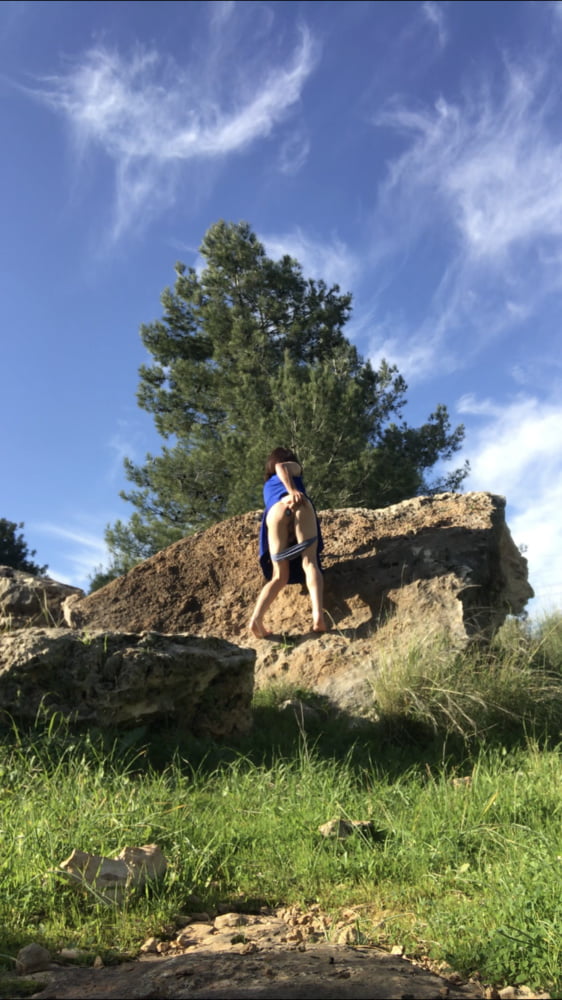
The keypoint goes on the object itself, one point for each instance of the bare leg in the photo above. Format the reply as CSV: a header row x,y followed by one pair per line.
x,y
305,525
266,598
278,535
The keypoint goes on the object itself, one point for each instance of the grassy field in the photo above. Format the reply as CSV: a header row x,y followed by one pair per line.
x,y
459,771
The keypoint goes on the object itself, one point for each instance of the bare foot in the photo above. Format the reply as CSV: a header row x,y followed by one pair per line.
x,y
257,629
320,626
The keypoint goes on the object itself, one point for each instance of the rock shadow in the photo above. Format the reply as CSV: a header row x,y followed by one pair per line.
x,y
397,561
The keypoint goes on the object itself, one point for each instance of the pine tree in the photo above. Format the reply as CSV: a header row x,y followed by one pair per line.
x,y
250,354
14,551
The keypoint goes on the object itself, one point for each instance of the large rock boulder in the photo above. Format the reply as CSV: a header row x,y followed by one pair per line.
x,y
445,562
109,679
31,600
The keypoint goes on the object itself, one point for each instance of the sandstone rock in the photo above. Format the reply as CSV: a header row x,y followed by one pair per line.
x,y
445,562
27,600
347,936
144,864
72,954
32,958
340,829
149,947
231,920
112,878
450,556
108,679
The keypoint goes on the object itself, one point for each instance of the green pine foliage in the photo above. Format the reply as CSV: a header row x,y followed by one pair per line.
x,y
14,551
250,354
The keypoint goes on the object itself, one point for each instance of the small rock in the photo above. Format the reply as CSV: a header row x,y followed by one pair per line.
x,y
98,962
150,946
397,949
32,958
231,920
72,954
112,877
508,993
249,948
347,936
194,934
342,828
184,939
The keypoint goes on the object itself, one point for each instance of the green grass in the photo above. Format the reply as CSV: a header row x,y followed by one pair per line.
x,y
466,873
514,682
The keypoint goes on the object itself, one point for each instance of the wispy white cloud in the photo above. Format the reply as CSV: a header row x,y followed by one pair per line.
x,y
150,116
515,451
485,172
331,260
121,446
436,17
78,552
492,165
221,12
294,151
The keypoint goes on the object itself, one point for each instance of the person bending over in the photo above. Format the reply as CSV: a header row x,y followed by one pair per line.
x,y
290,540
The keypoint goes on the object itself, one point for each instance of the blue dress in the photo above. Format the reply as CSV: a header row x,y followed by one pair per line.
x,y
273,491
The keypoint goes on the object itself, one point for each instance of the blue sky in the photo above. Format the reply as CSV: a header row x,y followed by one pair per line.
x,y
410,152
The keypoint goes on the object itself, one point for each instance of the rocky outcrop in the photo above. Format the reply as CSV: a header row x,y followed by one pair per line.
x,y
448,559
31,600
441,563
106,679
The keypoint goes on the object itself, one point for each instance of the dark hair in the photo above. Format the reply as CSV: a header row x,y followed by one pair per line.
x,y
278,455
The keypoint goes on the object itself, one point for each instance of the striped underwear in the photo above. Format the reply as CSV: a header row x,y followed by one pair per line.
x,y
294,550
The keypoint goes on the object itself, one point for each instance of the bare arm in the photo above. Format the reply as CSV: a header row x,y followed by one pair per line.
x,y
285,471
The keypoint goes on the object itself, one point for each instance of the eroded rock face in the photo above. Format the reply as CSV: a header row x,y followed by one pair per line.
x,y
109,679
27,600
445,562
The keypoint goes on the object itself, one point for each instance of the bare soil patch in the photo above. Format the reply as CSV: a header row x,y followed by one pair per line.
x,y
317,972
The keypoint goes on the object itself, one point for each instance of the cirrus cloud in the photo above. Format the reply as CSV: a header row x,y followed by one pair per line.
x,y
332,260
151,116
484,172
